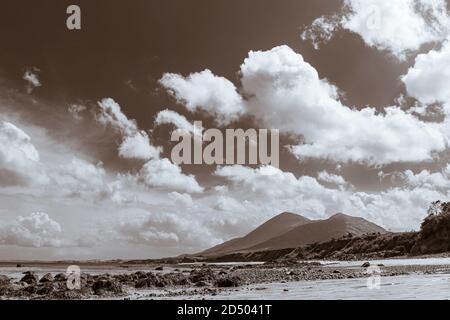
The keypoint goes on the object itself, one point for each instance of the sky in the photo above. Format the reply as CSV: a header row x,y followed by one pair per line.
x,y
357,89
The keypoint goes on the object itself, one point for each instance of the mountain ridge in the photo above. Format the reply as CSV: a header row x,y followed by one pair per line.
x,y
290,230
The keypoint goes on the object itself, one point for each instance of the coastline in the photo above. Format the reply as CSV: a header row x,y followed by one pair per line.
x,y
173,281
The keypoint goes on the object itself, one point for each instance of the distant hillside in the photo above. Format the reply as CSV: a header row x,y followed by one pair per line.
x,y
272,228
335,227
289,230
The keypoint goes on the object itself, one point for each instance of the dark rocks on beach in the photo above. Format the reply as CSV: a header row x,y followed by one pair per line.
x,y
60,277
365,265
205,274
228,282
160,268
4,281
47,278
19,265
46,289
105,285
30,278
201,284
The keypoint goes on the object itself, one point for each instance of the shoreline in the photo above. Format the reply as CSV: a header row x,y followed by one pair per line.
x,y
171,281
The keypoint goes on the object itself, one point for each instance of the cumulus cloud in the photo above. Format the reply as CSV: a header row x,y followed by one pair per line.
x,y
36,230
19,159
286,93
400,208
136,143
208,92
162,173
174,118
399,26
427,179
79,177
163,230
32,79
331,178
428,79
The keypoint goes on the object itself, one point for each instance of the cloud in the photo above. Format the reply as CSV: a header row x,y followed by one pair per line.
x,y
76,110
208,92
427,179
399,209
161,173
136,143
400,26
287,93
36,230
331,178
32,79
428,79
79,177
138,146
174,118
19,159
162,230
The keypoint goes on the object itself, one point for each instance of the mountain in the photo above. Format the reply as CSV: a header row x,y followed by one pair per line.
x,y
289,230
272,228
319,231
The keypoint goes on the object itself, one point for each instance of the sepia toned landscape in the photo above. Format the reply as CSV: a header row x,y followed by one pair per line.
x,y
224,150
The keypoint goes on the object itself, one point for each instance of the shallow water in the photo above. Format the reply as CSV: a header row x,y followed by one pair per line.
x,y
409,287
390,262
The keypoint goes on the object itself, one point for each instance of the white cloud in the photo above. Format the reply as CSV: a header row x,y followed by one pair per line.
x,y
285,92
138,146
161,173
136,143
76,110
399,209
36,230
19,159
174,118
206,91
288,94
32,79
162,230
331,178
399,26
429,78
427,179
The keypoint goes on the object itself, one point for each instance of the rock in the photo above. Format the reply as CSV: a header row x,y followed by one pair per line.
x,y
201,284
31,289
336,271
60,277
19,265
4,281
47,278
104,285
46,289
202,275
365,265
160,268
228,282
30,278
380,265
141,283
